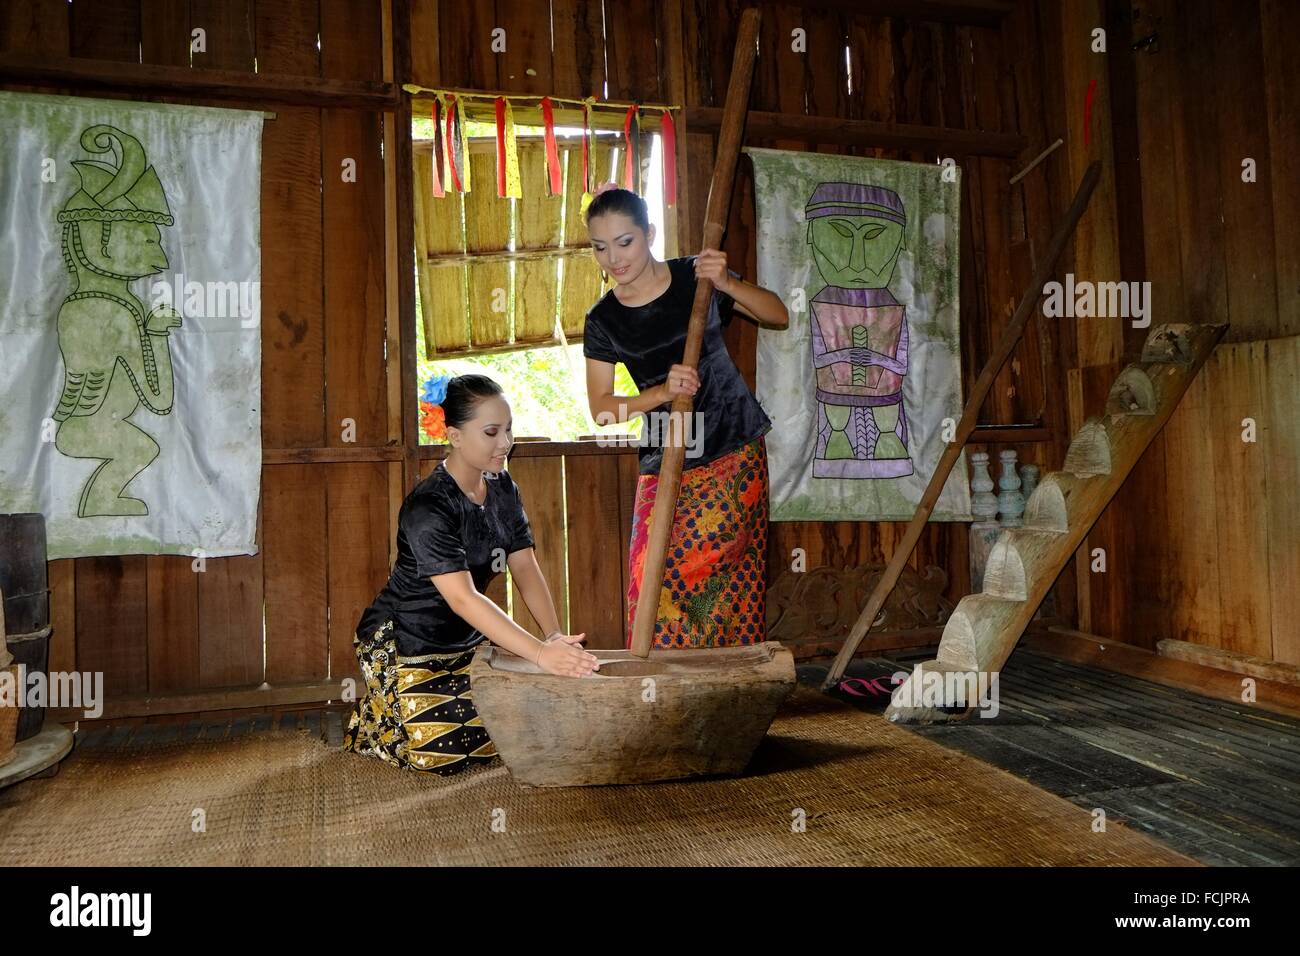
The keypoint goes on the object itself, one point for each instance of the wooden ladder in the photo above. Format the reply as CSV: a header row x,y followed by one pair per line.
x,y
984,628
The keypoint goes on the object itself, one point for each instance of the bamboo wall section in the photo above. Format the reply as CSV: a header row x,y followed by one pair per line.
x,y
456,293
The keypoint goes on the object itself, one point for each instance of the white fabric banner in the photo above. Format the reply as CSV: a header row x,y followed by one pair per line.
x,y
130,342
864,254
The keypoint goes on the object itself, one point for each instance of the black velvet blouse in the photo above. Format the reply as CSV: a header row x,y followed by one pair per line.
x,y
440,530
650,338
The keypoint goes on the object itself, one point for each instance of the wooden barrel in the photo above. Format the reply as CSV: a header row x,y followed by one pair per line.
x,y
32,652
26,604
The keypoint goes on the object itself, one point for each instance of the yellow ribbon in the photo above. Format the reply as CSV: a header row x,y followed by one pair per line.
x,y
513,189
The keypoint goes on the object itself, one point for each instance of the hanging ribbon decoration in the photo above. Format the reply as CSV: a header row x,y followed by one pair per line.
x,y
556,177
514,189
451,156
507,152
669,134
588,179
589,173
632,142
501,147
436,111
455,158
462,144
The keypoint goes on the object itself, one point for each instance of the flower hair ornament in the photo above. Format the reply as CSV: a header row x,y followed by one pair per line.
x,y
589,198
432,421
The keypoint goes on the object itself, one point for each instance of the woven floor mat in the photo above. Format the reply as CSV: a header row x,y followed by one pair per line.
x,y
866,792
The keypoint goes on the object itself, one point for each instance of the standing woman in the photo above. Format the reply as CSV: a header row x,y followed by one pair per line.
x,y
416,640
714,589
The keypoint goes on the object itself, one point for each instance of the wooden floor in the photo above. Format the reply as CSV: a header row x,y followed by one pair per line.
x,y
1217,781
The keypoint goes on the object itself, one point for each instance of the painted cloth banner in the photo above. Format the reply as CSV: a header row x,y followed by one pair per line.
x,y
130,343
864,254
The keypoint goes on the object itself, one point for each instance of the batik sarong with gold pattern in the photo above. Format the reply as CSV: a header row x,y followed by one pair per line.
x,y
418,712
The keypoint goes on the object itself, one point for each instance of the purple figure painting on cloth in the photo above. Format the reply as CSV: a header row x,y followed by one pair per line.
x,y
859,332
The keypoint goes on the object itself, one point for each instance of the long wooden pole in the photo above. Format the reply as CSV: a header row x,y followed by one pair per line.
x,y
715,221
1006,345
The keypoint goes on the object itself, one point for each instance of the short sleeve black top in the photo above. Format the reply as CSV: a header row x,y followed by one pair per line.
x,y
440,530
650,338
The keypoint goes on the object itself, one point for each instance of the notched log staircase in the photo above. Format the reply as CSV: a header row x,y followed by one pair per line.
x,y
984,628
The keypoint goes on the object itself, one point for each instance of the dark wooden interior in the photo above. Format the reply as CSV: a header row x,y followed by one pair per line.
x,y
1202,541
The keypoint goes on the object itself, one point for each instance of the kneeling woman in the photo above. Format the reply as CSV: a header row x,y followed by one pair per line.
x,y
416,640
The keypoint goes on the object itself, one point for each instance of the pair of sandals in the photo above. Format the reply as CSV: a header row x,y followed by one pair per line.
x,y
861,687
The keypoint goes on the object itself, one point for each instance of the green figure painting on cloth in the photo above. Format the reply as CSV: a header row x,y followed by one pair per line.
x,y
132,430
863,384
116,354
859,332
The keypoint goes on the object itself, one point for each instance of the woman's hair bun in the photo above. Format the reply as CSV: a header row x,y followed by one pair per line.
x,y
611,197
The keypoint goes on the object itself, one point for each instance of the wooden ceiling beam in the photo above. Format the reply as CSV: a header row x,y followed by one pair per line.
x,y
943,140
85,74
979,13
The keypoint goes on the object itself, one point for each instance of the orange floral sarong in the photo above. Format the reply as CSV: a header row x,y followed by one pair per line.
x,y
715,588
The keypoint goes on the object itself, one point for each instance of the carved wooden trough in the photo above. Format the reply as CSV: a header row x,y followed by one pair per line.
x,y
680,713
674,713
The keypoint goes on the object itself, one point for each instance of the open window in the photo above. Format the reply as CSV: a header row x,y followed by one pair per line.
x,y
504,285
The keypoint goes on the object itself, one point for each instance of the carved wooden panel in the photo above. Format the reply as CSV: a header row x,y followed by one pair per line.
x,y
818,607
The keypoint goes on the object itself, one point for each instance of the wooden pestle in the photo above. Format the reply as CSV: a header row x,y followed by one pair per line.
x,y
674,449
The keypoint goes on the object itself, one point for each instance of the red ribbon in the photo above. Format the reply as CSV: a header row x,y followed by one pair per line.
x,y
436,112
669,134
552,151
453,143
632,140
586,173
501,147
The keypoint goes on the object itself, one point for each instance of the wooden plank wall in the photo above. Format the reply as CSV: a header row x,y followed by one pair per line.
x,y
914,71
1171,124
151,624
155,627
1202,539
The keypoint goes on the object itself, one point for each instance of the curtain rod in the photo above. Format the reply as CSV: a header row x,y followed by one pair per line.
x,y
416,90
